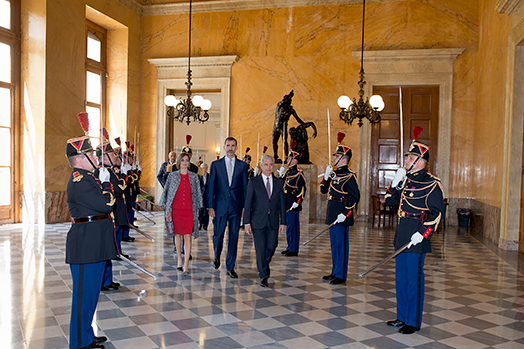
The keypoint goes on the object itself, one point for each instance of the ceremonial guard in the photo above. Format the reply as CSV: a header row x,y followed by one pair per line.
x,y
343,195
91,239
247,160
166,168
187,149
119,208
421,206
294,192
130,191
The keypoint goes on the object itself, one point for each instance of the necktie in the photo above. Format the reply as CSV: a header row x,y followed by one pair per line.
x,y
268,188
230,171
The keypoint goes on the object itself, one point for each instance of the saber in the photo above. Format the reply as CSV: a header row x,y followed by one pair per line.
x,y
322,232
141,232
137,266
329,137
393,255
143,215
144,208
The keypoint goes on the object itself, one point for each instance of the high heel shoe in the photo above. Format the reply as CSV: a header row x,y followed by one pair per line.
x,y
179,268
186,273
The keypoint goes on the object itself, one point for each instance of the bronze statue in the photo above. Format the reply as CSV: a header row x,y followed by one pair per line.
x,y
299,135
282,115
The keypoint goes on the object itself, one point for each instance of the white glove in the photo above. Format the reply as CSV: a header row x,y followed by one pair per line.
x,y
139,168
399,176
126,168
295,205
416,239
281,171
104,175
255,172
340,218
329,169
133,167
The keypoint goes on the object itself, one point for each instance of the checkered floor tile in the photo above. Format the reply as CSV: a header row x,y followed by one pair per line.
x,y
473,294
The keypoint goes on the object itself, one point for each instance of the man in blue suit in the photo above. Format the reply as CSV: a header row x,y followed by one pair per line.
x,y
226,192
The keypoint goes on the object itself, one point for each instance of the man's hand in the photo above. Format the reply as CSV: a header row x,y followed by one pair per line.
x,y
329,169
247,228
416,239
281,171
340,218
282,228
211,212
104,175
399,176
295,205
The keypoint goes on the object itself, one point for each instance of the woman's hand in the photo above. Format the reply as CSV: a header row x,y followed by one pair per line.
x,y
169,217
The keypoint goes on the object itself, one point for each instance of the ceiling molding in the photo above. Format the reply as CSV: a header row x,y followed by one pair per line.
x,y
238,5
507,6
133,5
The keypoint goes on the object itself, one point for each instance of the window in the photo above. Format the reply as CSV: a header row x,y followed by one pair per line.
x,y
9,77
96,71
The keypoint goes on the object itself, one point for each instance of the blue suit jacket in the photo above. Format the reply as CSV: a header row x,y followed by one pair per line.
x,y
220,196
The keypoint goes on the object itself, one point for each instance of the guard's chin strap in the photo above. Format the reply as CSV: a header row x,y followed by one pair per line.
x,y
413,164
91,162
111,162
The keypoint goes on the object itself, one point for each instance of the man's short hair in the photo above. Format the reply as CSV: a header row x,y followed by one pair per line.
x,y
266,157
230,139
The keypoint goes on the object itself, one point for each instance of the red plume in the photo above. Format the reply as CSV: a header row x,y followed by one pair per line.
x,y
264,151
340,136
84,121
118,141
106,134
132,147
417,130
292,145
127,144
188,139
248,149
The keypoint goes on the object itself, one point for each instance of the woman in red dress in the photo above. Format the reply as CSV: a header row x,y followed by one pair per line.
x,y
182,200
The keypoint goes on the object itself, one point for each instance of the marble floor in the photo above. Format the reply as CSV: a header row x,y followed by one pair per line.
x,y
473,295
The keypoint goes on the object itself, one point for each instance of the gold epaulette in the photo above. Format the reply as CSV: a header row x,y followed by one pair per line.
x,y
77,177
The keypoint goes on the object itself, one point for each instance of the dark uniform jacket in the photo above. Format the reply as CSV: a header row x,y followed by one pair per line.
x,y
421,206
343,195
250,172
118,182
294,187
89,242
129,193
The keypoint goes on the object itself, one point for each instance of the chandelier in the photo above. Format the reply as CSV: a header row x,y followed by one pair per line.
x,y
370,109
189,109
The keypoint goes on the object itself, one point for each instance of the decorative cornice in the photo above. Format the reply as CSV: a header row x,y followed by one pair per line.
x,y
181,62
238,5
507,6
133,5
408,55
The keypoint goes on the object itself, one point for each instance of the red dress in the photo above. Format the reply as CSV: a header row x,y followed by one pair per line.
x,y
182,208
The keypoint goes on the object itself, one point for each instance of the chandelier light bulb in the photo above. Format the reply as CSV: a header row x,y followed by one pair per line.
x,y
198,100
206,104
377,102
170,101
344,102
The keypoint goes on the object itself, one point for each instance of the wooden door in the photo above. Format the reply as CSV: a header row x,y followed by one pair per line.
x,y
420,108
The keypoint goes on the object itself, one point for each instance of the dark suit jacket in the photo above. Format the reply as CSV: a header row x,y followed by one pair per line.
x,y
258,204
220,196
203,186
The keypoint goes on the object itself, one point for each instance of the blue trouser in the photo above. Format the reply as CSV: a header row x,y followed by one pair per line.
x,y
119,234
339,237
409,276
87,281
131,220
293,231
219,223
108,273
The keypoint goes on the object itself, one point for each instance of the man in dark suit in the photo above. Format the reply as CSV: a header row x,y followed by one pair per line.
x,y
265,215
226,192
168,166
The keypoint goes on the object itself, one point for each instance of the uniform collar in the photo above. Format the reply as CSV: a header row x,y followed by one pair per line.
x,y
414,174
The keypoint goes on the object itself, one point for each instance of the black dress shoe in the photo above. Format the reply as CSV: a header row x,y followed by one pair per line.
x,y
100,339
94,345
291,254
395,323
328,277
128,239
232,274
337,281
263,282
216,263
125,255
285,252
109,287
406,329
